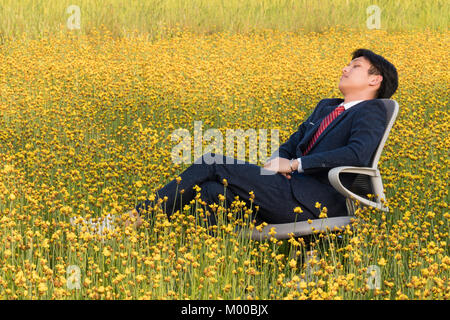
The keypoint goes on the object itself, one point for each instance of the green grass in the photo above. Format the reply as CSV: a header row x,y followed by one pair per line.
x,y
154,17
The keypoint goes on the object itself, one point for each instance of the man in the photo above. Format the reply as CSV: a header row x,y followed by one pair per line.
x,y
339,132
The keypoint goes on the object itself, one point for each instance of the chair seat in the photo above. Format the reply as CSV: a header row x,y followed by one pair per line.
x,y
302,228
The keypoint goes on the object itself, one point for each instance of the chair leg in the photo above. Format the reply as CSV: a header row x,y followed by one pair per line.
x,y
378,190
351,208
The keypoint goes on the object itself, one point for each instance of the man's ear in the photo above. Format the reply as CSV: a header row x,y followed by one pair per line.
x,y
375,79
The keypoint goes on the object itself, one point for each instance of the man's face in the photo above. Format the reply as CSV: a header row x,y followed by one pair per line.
x,y
355,77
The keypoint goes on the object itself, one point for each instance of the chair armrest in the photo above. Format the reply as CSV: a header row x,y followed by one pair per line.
x,y
333,177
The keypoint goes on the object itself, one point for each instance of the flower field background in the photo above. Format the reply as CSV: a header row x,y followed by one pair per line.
x,y
85,130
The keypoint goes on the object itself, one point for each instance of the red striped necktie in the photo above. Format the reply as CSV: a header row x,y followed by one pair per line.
x,y
323,125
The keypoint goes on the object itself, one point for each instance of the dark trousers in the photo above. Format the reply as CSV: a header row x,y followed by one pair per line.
x,y
273,194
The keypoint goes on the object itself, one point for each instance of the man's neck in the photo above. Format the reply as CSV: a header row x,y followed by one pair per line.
x,y
356,97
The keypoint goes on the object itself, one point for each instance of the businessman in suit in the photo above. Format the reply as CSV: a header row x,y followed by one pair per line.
x,y
339,132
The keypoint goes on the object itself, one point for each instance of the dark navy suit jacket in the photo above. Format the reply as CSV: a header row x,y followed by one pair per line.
x,y
350,140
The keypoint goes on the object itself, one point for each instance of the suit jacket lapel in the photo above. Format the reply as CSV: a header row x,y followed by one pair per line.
x,y
328,109
335,121
331,125
313,129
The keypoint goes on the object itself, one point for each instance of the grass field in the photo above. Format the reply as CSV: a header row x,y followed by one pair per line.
x,y
157,18
85,130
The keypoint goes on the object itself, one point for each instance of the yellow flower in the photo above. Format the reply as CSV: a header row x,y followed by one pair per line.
x,y
323,213
298,210
87,282
42,288
293,263
272,231
382,262
8,168
106,252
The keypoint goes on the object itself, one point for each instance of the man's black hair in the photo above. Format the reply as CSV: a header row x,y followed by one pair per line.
x,y
380,65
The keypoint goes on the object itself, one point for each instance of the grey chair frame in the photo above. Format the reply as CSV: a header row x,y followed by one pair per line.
x,y
305,228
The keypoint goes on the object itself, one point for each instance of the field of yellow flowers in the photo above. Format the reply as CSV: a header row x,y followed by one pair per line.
x,y
85,131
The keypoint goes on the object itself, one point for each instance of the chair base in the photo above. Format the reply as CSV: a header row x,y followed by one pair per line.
x,y
302,228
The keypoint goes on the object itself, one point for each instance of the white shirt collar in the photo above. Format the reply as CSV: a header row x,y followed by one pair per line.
x,y
350,104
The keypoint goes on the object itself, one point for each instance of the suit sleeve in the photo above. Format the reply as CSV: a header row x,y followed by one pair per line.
x,y
287,149
368,127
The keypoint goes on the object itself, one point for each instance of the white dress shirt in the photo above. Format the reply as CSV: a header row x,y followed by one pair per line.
x,y
347,105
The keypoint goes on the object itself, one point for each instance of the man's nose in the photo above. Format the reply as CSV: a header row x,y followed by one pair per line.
x,y
344,71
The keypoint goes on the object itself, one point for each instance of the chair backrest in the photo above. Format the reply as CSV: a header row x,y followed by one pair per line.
x,y
391,114
362,184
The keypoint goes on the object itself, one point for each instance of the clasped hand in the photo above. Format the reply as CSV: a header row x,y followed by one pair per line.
x,y
280,165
